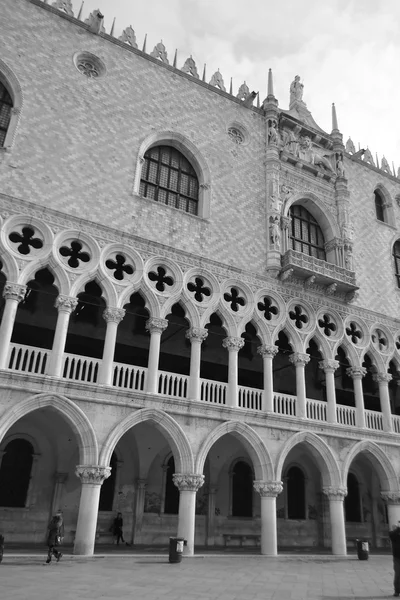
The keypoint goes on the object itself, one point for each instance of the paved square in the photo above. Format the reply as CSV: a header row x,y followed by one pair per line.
x,y
199,578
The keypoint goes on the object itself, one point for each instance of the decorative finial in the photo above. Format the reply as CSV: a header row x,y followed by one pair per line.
x,y
243,91
112,28
204,73
144,43
128,36
175,58
270,90
95,22
160,52
190,67
217,81
230,87
258,99
335,126
65,6
377,161
350,146
80,10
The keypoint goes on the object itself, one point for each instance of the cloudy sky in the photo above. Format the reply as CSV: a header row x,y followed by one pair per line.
x,y
345,51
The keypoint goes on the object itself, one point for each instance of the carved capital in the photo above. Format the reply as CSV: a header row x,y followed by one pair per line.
x,y
94,474
141,484
66,303
268,488
333,493
233,344
188,482
156,324
197,333
391,497
328,366
382,377
298,358
113,315
266,350
356,372
14,291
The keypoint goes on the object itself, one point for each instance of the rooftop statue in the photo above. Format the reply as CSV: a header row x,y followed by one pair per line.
x,y
296,90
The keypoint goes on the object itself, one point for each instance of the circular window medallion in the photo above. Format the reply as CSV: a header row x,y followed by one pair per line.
x,y
236,135
89,65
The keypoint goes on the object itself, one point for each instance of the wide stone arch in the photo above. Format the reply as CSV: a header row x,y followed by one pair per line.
x,y
386,472
318,210
323,455
173,432
76,418
254,445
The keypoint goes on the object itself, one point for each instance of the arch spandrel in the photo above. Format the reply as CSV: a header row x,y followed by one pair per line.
x,y
254,445
108,290
321,452
385,470
76,418
61,281
172,431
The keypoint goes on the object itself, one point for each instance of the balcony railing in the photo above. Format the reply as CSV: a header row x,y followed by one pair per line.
x,y
28,359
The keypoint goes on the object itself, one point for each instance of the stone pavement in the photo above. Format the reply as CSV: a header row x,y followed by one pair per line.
x,y
202,577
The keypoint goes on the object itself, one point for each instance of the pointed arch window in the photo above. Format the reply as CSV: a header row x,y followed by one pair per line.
x,y
15,473
396,256
306,235
168,177
379,206
6,106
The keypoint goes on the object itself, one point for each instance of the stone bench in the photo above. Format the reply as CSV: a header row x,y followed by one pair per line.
x,y
242,537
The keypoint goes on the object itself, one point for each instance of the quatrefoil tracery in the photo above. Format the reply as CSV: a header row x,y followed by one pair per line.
x,y
161,278
200,290
327,325
267,308
234,299
379,339
26,240
119,266
75,253
298,316
354,333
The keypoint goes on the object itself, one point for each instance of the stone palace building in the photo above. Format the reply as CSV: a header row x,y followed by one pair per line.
x,y
200,302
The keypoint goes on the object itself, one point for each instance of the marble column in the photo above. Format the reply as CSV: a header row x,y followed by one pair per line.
x,y
92,477
268,353
392,500
357,373
336,498
65,306
268,491
196,335
212,493
188,484
383,382
233,345
113,317
139,509
299,360
329,367
155,326
13,293
59,482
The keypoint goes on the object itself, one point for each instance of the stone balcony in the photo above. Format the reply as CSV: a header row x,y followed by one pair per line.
x,y
314,270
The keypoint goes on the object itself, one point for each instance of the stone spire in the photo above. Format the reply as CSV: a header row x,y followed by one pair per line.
x,y
270,100
335,126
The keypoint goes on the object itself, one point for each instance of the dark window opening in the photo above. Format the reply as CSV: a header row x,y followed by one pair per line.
x,y
306,235
108,488
352,501
15,473
396,256
296,494
379,206
6,105
171,504
242,490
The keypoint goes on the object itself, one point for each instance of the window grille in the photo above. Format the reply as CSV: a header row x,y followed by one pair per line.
x,y
5,112
169,178
396,256
306,235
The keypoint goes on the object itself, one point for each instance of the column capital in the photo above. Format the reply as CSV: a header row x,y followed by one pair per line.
x,y
14,291
328,366
196,334
233,344
356,372
266,350
113,315
94,474
382,377
156,324
141,484
334,493
268,488
299,358
188,482
66,303
391,497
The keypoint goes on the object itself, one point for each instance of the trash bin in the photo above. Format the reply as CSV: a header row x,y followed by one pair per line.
x,y
175,549
362,549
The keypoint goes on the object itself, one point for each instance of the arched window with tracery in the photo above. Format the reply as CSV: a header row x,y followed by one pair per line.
x,y
306,235
242,490
107,490
352,502
15,473
396,256
379,206
169,178
296,494
6,106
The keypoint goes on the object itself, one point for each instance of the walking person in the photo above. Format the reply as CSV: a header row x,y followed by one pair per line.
x,y
118,524
54,538
394,536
